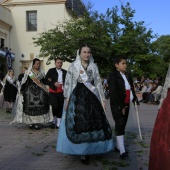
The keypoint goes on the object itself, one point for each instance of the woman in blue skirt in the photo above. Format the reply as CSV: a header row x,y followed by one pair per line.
x,y
84,128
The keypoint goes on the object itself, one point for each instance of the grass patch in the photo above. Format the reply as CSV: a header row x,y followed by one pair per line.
x,y
27,147
130,135
110,168
140,151
115,163
105,162
142,144
120,163
37,154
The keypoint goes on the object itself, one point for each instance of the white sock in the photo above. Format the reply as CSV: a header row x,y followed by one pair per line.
x,y
120,143
54,119
58,122
117,145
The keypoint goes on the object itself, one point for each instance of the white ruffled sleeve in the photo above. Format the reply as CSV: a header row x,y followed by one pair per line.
x,y
68,82
97,82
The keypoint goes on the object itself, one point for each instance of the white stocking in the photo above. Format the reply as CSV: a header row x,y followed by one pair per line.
x,y
120,143
54,119
58,122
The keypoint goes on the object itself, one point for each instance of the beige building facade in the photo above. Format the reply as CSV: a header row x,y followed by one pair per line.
x,y
26,19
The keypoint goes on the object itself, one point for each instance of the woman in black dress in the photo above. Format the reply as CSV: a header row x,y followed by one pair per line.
x,y
33,105
10,90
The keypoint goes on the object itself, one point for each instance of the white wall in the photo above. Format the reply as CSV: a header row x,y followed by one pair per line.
x,y
21,41
5,17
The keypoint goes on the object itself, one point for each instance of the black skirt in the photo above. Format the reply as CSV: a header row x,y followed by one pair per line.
x,y
10,92
36,100
85,117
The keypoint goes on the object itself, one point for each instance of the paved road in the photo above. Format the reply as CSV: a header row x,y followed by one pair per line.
x,y
25,149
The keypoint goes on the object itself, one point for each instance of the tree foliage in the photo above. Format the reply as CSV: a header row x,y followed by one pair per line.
x,y
109,34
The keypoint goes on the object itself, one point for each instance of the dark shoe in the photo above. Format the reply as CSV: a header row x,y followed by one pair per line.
x,y
124,155
7,110
52,126
156,102
36,127
85,160
31,127
117,150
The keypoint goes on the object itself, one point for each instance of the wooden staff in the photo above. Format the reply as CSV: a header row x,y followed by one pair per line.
x,y
137,115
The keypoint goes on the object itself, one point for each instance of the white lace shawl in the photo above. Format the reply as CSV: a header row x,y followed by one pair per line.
x,y
8,78
73,75
165,88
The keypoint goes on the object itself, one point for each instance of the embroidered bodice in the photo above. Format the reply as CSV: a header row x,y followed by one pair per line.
x,y
89,73
38,75
73,76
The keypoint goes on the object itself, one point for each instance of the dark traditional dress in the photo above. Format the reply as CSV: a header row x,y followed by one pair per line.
x,y
160,142
84,128
35,107
10,91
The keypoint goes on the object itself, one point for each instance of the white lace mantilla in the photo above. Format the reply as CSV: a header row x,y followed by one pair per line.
x,y
165,88
17,111
164,91
73,75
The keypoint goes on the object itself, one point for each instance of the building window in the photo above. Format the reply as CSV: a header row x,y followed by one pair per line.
x,y
2,43
31,20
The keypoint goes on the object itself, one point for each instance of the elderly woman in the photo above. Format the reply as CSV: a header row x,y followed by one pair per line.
x,y
32,105
10,90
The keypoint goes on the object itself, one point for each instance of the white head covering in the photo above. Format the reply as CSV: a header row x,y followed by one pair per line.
x,y
165,88
78,60
27,72
7,76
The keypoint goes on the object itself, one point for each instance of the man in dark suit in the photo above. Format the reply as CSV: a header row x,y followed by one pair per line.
x,y
55,79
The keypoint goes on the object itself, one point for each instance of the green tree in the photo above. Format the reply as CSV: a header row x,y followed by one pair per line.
x,y
162,47
108,34
66,38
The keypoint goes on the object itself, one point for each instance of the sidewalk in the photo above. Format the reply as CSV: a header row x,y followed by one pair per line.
x,y
22,148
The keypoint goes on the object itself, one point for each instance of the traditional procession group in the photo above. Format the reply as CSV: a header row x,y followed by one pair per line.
x,y
73,102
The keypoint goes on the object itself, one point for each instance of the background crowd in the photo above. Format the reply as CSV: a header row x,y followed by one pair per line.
x,y
147,90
